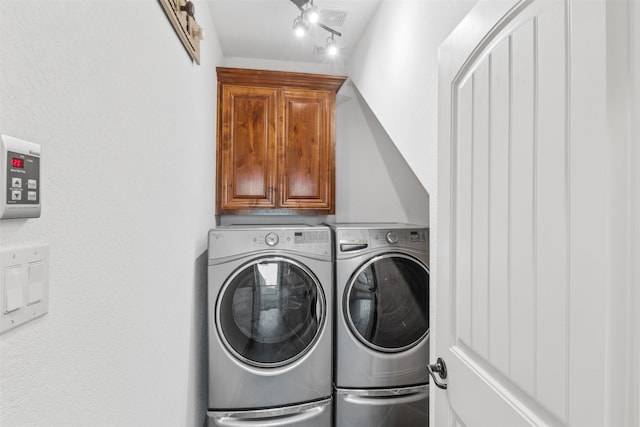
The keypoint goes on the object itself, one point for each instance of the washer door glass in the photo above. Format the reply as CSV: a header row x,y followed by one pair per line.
x,y
270,312
387,302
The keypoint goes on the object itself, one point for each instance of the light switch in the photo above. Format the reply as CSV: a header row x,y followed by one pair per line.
x,y
13,295
34,288
24,285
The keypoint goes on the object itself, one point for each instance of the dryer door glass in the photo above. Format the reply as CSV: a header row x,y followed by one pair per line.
x,y
270,312
387,302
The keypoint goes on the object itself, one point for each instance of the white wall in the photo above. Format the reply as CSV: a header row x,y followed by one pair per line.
x,y
127,127
374,183
395,68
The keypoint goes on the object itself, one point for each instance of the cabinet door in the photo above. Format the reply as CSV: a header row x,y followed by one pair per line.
x,y
247,169
306,151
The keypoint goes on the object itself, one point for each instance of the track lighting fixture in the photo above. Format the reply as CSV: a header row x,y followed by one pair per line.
x,y
300,26
331,47
310,15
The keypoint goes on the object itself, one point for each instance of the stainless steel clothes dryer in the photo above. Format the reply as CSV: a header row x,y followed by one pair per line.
x,y
270,326
381,324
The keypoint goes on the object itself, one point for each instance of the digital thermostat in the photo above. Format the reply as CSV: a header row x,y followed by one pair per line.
x,y
20,181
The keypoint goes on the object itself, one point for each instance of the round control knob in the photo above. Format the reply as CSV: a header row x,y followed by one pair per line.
x,y
271,239
392,237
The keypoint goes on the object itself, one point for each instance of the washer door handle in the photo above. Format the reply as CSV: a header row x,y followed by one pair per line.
x,y
439,368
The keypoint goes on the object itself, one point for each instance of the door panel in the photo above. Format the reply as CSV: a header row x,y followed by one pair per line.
x,y
306,150
479,193
551,215
520,201
530,211
521,243
498,245
246,169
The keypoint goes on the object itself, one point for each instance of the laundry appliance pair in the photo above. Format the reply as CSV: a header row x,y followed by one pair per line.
x,y
318,325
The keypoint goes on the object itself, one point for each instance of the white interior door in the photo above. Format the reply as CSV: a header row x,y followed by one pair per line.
x,y
529,219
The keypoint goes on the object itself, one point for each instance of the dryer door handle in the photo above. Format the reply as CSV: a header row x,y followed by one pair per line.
x,y
348,247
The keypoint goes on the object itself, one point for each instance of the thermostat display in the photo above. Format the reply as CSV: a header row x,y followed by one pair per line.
x,y
20,184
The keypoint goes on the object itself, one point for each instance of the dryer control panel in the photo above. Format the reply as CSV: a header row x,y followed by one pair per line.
x,y
354,240
20,181
405,238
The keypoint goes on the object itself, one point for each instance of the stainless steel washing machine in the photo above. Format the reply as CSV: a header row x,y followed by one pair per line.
x,y
270,326
381,325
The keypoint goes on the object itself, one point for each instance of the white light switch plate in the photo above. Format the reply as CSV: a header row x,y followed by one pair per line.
x,y
24,285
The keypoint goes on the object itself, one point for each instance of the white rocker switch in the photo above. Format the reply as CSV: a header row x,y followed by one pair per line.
x,y
13,295
34,289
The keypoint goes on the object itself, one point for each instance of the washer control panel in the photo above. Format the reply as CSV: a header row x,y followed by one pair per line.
x,y
235,241
305,240
20,181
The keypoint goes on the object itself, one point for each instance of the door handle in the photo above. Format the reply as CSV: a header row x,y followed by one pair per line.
x,y
439,368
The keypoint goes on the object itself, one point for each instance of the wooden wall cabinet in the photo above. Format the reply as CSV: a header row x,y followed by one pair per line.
x,y
276,142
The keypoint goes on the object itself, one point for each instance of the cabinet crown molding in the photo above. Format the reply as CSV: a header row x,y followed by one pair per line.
x,y
281,79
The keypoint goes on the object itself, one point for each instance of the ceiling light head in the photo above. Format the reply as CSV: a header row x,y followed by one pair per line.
x,y
332,46
312,14
300,26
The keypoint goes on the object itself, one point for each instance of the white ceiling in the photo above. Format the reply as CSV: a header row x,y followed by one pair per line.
x,y
263,28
